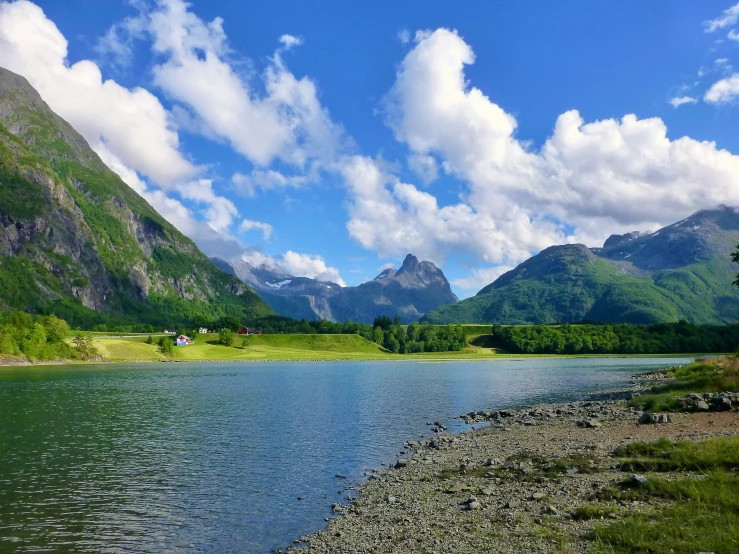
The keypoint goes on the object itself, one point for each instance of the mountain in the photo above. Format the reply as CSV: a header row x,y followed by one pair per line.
x,y
408,292
682,271
77,241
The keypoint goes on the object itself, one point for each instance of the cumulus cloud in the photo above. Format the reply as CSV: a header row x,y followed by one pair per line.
x,y
480,278
219,211
678,101
724,90
727,18
286,121
269,179
248,225
596,177
293,263
588,179
132,123
394,218
424,166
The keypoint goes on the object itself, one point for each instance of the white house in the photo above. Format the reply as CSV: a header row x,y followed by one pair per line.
x,y
182,340
203,331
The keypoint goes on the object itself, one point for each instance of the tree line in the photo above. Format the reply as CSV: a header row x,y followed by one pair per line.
x,y
662,338
42,338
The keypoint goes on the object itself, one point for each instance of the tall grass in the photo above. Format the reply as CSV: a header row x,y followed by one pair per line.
x,y
717,375
696,514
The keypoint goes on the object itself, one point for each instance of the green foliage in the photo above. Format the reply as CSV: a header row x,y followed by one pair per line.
x,y
226,337
84,348
37,338
663,338
570,284
21,197
149,340
716,376
693,514
99,211
665,455
166,345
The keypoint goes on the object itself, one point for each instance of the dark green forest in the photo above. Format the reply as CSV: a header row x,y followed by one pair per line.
x,y
661,338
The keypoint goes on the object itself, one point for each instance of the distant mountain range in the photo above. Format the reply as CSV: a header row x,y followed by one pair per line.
x,y
408,292
682,271
77,241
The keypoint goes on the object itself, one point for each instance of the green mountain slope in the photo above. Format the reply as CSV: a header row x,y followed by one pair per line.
x,y
77,241
680,272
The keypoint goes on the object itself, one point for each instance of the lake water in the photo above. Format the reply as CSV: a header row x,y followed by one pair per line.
x,y
213,457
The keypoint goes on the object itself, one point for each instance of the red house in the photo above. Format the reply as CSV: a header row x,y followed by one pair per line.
x,y
243,331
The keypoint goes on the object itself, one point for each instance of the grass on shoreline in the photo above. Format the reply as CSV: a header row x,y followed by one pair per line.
x,y
693,513
716,375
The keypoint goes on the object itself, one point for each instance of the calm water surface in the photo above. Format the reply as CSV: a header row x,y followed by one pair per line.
x,y
213,457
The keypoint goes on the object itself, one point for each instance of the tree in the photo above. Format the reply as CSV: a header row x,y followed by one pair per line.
x,y
226,337
56,329
83,347
166,346
383,322
149,340
735,259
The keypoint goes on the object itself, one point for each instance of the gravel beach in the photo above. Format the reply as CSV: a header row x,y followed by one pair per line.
x,y
512,486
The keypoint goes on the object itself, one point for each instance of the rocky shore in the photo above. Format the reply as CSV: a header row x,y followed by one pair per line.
x,y
515,485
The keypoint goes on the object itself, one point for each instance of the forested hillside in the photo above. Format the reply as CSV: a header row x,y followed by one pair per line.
x,y
76,241
681,272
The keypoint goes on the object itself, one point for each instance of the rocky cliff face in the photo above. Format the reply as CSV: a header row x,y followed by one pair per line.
x,y
76,240
408,292
682,271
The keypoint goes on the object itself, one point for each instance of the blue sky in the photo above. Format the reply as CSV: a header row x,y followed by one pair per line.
x,y
330,141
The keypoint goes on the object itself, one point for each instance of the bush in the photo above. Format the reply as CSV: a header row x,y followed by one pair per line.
x,y
226,337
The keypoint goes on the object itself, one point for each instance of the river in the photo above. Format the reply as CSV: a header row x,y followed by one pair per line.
x,y
227,457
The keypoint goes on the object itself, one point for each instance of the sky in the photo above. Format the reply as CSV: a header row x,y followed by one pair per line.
x,y
331,139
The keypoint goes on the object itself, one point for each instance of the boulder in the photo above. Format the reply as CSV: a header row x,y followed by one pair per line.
x,y
700,406
638,480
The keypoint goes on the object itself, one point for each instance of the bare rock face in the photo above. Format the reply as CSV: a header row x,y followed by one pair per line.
x,y
409,292
72,231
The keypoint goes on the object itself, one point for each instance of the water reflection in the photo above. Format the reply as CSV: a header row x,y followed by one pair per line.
x,y
213,457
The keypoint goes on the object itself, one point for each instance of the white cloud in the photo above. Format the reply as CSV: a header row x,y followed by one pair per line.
x,y
423,166
270,179
293,263
220,211
727,18
404,36
678,101
724,90
130,123
394,218
288,41
480,278
285,122
733,35
594,178
266,229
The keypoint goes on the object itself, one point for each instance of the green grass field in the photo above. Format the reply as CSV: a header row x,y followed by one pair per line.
x,y
268,348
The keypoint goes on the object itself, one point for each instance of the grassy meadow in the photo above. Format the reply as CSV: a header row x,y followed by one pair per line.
x,y
266,348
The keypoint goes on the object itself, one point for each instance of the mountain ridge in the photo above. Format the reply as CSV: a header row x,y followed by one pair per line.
x,y
409,292
681,271
77,241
